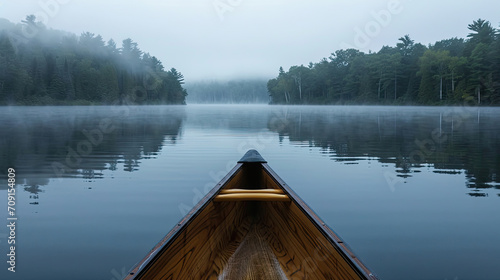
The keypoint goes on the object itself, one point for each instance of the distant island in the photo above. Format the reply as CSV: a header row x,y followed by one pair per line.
x,y
41,66
449,72
242,91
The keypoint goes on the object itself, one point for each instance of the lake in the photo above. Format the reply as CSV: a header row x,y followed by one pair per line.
x,y
414,191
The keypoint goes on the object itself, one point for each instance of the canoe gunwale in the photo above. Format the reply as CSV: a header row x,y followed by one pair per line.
x,y
327,232
164,243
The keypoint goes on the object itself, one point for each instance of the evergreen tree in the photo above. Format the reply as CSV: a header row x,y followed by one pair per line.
x,y
9,70
54,67
449,72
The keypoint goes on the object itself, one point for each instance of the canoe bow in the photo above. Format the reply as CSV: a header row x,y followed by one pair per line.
x,y
251,225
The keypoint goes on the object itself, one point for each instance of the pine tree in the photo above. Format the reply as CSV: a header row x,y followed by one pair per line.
x,y
9,71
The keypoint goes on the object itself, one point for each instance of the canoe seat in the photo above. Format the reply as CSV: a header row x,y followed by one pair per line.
x,y
251,195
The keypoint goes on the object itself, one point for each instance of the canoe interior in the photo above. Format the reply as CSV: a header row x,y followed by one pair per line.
x,y
250,239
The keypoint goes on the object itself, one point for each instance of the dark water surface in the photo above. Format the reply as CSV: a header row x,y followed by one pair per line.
x,y
415,191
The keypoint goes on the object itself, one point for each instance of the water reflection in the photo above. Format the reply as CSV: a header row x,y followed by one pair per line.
x,y
44,143
449,140
51,142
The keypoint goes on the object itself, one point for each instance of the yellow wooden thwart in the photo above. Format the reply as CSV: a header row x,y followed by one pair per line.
x,y
232,191
251,195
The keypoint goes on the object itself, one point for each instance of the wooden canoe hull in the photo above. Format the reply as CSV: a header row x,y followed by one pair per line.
x,y
251,238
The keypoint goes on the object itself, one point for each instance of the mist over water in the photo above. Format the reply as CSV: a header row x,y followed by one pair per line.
x,y
241,91
404,183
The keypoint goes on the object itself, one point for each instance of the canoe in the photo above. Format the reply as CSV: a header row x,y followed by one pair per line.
x,y
251,225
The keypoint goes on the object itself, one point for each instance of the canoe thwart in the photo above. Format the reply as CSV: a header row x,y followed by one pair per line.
x,y
251,197
231,191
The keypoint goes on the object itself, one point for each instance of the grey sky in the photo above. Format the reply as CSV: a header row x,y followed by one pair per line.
x,y
213,39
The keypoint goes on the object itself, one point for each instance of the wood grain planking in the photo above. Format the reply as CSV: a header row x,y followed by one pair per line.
x,y
254,259
191,253
309,255
357,266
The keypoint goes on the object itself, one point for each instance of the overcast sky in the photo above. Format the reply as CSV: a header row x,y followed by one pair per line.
x,y
220,39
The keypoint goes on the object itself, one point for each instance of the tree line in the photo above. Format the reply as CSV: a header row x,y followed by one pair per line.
x,y
451,71
41,66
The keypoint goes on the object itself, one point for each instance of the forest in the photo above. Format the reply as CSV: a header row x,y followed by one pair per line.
x,y
42,66
448,72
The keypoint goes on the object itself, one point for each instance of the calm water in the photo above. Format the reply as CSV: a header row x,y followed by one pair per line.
x,y
413,190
